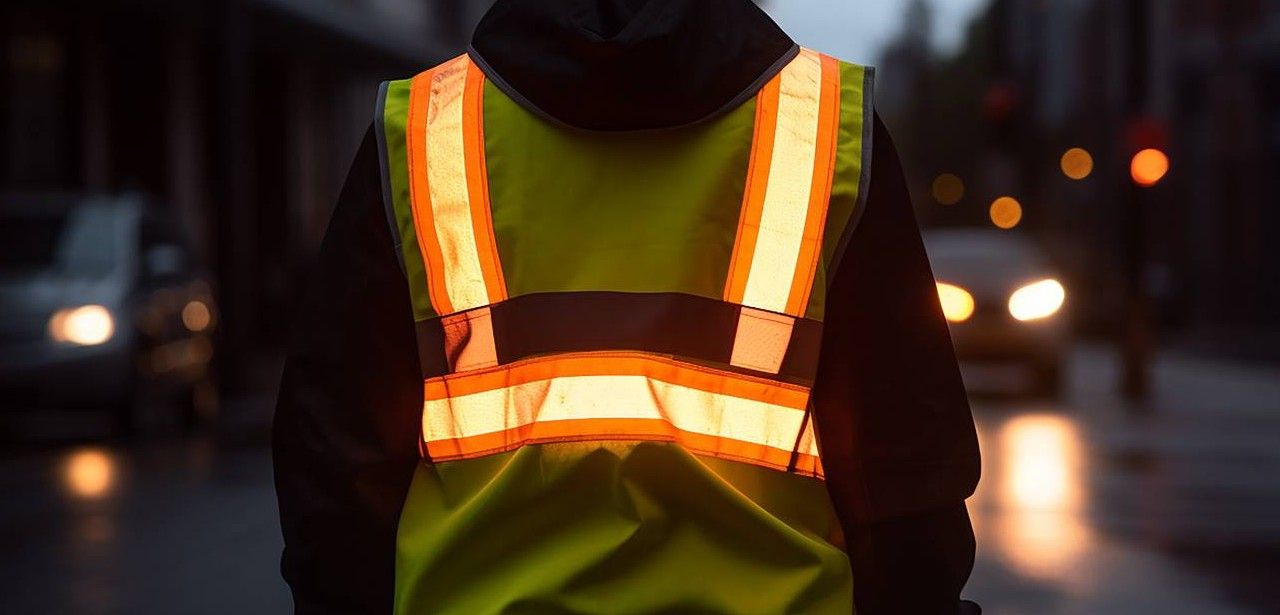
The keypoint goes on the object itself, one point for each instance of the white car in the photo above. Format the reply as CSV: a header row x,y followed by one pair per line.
x,y
1002,299
98,302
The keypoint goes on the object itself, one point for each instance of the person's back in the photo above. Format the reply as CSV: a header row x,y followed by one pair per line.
x,y
618,329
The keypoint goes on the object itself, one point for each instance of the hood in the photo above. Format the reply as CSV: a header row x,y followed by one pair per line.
x,y
629,64
43,293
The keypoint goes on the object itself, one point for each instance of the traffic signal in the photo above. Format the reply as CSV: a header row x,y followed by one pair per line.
x,y
1076,163
1005,212
1148,139
1148,167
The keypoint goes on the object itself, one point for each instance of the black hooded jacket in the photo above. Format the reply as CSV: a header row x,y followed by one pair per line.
x,y
888,393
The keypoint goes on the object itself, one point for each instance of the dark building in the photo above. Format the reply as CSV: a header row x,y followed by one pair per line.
x,y
1200,80
241,115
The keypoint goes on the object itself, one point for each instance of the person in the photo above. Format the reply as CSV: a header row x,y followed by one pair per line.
x,y
625,310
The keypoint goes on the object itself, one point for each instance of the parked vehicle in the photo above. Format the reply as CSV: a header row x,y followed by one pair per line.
x,y
99,303
1002,300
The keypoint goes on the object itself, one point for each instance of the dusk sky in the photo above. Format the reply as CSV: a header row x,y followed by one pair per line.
x,y
856,30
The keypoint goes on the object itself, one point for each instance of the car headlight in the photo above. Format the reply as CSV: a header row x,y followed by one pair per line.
x,y
1037,300
86,325
957,303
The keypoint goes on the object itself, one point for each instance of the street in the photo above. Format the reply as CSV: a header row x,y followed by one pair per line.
x,y
1086,507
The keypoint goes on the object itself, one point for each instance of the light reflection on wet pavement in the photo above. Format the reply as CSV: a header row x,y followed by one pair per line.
x,y
1084,508
181,524
1087,507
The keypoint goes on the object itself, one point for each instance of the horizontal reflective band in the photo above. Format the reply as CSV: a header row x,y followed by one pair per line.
x,y
784,208
616,396
696,329
449,191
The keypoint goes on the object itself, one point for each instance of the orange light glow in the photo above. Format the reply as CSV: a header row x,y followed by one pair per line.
x,y
1041,494
948,189
86,325
1077,163
957,303
196,316
1045,544
89,474
1041,455
1148,167
1006,212
1037,300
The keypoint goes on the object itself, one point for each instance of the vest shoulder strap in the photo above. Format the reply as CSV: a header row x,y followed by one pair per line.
x,y
433,130
788,184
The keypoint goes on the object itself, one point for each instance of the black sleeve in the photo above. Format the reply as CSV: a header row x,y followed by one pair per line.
x,y
898,440
346,424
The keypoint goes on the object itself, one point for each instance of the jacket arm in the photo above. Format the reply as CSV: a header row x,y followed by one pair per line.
x,y
345,434
897,436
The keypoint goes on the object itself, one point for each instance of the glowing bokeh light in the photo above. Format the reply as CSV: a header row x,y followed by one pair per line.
x,y
1006,212
1037,300
1148,167
1077,163
1045,544
957,303
86,325
948,189
1041,456
89,474
1039,487
196,316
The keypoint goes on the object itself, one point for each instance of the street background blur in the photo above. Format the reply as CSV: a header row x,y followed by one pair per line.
x,y
1096,178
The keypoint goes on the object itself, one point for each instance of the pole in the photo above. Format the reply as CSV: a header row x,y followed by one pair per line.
x,y
1138,333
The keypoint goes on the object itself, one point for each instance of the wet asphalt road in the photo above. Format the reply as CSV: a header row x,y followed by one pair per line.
x,y
1086,506
1090,507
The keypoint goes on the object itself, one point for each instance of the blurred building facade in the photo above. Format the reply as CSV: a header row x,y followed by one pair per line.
x,y
242,115
1200,80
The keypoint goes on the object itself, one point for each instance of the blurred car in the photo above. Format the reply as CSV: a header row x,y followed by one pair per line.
x,y
1002,300
99,303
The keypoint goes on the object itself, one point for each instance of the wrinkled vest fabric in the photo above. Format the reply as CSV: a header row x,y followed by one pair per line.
x,y
618,333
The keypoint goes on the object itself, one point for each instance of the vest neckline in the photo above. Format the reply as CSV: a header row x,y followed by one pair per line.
x,y
629,65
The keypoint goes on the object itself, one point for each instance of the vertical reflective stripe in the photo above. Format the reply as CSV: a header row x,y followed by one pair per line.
x,y
419,191
450,198
761,340
824,165
808,444
450,192
468,340
786,198
780,231
753,196
478,186
810,461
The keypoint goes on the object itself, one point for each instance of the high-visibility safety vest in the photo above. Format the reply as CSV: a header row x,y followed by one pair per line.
x,y
618,332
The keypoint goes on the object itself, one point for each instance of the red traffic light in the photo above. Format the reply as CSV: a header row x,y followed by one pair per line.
x,y
1148,167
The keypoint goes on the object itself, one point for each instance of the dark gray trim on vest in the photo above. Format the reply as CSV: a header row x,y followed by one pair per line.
x,y
864,174
694,328
388,204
